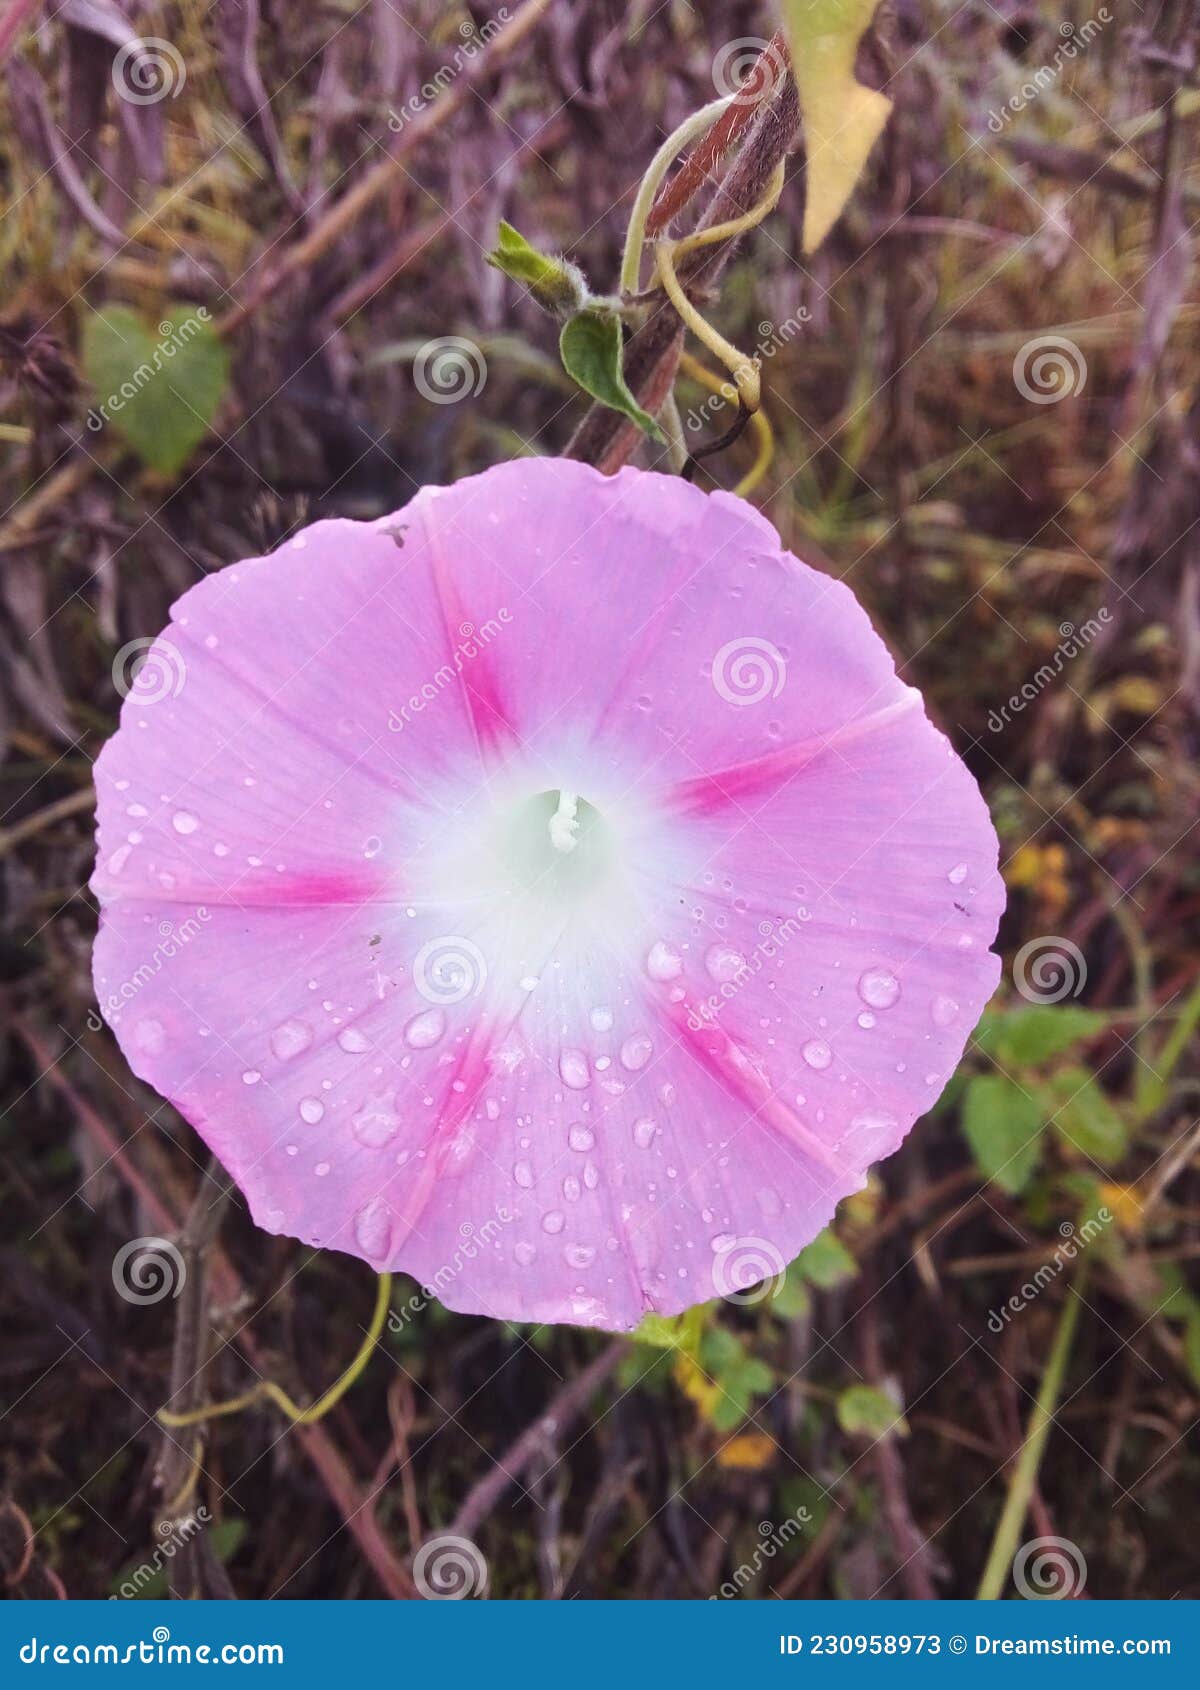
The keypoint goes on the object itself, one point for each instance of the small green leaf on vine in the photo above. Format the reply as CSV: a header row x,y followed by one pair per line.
x,y
557,285
592,350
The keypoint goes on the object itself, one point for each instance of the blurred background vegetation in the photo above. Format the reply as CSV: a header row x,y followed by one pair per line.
x,y
304,207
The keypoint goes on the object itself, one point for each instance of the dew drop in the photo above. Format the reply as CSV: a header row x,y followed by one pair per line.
x,y
350,1039
957,874
375,1123
817,1053
636,1051
644,1131
723,962
425,1029
523,1253
289,1039
553,1221
251,1077
373,1229
523,1175
183,821
663,963
879,988
573,1069
579,1255
944,1011
580,1137
311,1110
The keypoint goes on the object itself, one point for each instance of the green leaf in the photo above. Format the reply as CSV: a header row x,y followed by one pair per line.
x,y
1004,1129
1085,1119
1191,1346
158,387
826,1262
557,285
673,1332
1028,1037
863,1410
592,352
842,120
792,1301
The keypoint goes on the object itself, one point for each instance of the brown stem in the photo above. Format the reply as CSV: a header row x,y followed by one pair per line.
x,y
604,437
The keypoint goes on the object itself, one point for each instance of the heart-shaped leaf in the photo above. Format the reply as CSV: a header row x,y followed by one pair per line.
x,y
159,388
591,348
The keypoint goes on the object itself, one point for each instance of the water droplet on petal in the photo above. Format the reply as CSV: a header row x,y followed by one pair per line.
x,y
957,874
944,1011
817,1053
251,1077
580,1137
553,1221
573,1067
376,1123
579,1255
425,1029
879,988
523,1253
290,1038
353,1041
183,821
723,962
644,1131
636,1051
373,1229
523,1174
311,1110
663,963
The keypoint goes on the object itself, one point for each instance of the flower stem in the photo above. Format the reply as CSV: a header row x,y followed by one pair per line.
x,y
664,158
1020,1489
274,1393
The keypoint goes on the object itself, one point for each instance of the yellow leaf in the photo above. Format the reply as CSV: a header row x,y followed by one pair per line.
x,y
1126,1204
748,1453
842,119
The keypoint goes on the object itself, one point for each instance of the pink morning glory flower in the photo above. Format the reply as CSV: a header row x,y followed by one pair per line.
x,y
551,891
